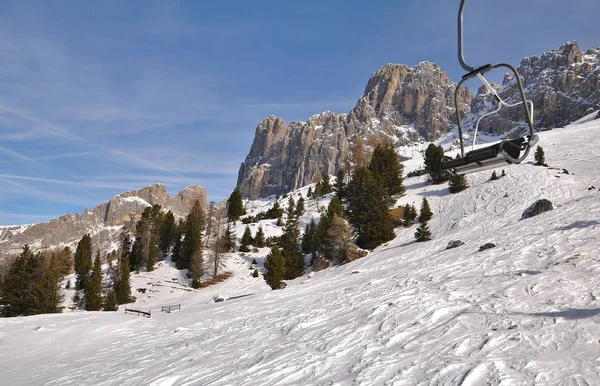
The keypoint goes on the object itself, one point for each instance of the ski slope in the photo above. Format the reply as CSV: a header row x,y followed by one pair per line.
x,y
523,313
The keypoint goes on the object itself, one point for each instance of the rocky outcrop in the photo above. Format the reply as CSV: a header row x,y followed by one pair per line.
x,y
538,207
103,222
400,103
563,84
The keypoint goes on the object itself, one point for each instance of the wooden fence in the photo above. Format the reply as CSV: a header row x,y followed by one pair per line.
x,y
170,308
139,312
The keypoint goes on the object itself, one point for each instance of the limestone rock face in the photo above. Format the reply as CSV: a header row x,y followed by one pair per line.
x,y
563,84
399,102
103,222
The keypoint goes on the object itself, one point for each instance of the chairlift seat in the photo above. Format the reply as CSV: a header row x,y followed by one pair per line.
x,y
489,157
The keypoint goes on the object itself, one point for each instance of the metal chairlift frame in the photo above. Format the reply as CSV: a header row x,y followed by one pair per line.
x,y
508,151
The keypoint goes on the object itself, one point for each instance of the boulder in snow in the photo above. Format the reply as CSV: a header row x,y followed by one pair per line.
x,y
540,206
486,246
454,244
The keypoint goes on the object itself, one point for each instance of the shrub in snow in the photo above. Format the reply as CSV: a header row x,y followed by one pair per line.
x,y
540,206
454,244
486,246
353,252
255,273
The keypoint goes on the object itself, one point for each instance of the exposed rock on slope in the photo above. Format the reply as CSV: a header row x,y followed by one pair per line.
x,y
399,102
563,84
103,222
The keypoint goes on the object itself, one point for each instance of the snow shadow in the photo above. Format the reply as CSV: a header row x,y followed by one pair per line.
x,y
580,225
443,191
570,313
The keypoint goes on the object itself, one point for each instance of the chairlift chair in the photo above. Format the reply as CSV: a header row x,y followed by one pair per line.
x,y
507,151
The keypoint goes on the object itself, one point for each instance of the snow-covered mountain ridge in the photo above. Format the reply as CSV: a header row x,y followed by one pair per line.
x,y
524,312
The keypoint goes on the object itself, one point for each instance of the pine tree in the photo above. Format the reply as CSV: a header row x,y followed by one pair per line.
x,y
368,209
434,155
274,268
290,244
47,291
167,233
259,238
65,261
539,156
426,213
308,243
386,166
326,187
14,296
255,273
494,175
340,186
457,183
146,250
110,303
335,208
503,173
192,245
235,206
410,214
246,240
83,261
309,193
176,253
93,290
299,207
229,238
318,190
123,285
423,233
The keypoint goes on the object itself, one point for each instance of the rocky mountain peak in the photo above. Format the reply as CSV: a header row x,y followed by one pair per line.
x,y
563,83
284,157
103,222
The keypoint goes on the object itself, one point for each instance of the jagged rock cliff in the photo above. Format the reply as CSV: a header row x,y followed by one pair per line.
x,y
103,222
399,102
563,84
407,104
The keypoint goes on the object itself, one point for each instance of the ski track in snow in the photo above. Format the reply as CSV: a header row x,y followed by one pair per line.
x,y
524,312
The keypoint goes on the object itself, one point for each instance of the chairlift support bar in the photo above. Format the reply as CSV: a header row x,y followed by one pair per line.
x,y
503,152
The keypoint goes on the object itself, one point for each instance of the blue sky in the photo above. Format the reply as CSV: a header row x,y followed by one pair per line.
x,y
101,97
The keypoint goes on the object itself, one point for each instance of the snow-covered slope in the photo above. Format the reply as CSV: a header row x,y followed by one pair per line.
x,y
524,312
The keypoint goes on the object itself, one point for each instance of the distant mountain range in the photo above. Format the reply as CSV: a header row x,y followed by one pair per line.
x,y
103,222
410,104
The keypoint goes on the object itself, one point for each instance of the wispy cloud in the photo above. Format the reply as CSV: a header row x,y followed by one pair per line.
x,y
44,195
14,154
85,184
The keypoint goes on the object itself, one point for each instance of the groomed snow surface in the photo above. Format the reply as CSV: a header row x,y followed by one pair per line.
x,y
523,313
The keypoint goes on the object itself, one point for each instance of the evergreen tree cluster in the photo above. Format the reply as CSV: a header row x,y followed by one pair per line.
x,y
369,195
322,186
274,212
154,235
32,283
257,241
